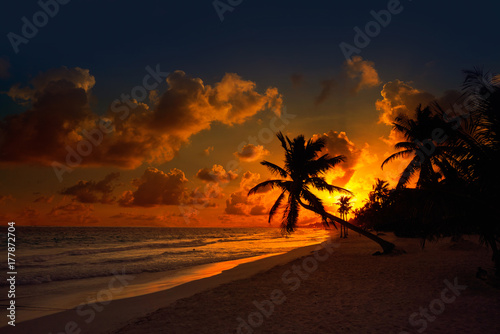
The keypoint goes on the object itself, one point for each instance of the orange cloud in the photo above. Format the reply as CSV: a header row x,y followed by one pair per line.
x,y
337,143
363,71
156,188
249,180
208,150
28,216
400,98
251,153
203,196
216,174
240,204
59,119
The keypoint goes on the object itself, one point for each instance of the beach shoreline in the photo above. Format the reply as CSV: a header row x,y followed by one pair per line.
x,y
162,292
431,290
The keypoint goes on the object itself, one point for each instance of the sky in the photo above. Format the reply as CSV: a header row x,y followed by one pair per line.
x,y
157,113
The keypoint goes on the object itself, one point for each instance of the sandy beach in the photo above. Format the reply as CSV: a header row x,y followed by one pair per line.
x,y
351,291
331,288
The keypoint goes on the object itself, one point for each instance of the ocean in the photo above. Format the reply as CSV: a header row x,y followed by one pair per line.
x,y
47,254
58,266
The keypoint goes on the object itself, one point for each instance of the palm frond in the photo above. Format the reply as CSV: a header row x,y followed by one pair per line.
x,y
272,183
400,154
275,169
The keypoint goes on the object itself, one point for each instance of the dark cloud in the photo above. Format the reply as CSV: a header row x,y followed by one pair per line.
x,y
156,188
44,199
259,210
58,107
69,212
92,191
326,90
29,215
59,120
237,204
297,80
203,196
5,198
4,68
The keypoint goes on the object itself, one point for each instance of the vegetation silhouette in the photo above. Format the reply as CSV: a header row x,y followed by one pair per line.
x,y
303,170
455,154
345,207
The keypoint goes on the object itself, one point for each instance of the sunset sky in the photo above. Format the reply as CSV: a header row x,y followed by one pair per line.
x,y
157,113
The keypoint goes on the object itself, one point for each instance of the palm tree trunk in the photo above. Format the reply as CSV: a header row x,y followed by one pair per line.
x,y
387,246
341,231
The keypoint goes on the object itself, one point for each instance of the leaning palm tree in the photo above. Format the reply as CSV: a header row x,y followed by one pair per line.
x,y
345,207
303,170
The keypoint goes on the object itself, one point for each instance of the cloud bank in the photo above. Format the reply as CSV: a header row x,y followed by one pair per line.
x,y
59,117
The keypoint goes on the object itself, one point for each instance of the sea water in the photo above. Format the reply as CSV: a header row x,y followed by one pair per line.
x,y
49,254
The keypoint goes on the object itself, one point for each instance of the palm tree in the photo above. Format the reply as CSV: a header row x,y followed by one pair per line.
x,y
380,191
419,145
345,207
479,138
303,171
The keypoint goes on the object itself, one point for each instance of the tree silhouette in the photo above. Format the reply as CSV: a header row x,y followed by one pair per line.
x,y
422,144
303,171
345,207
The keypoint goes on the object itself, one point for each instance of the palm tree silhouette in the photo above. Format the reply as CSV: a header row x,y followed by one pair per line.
x,y
345,207
479,141
302,171
380,191
418,144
